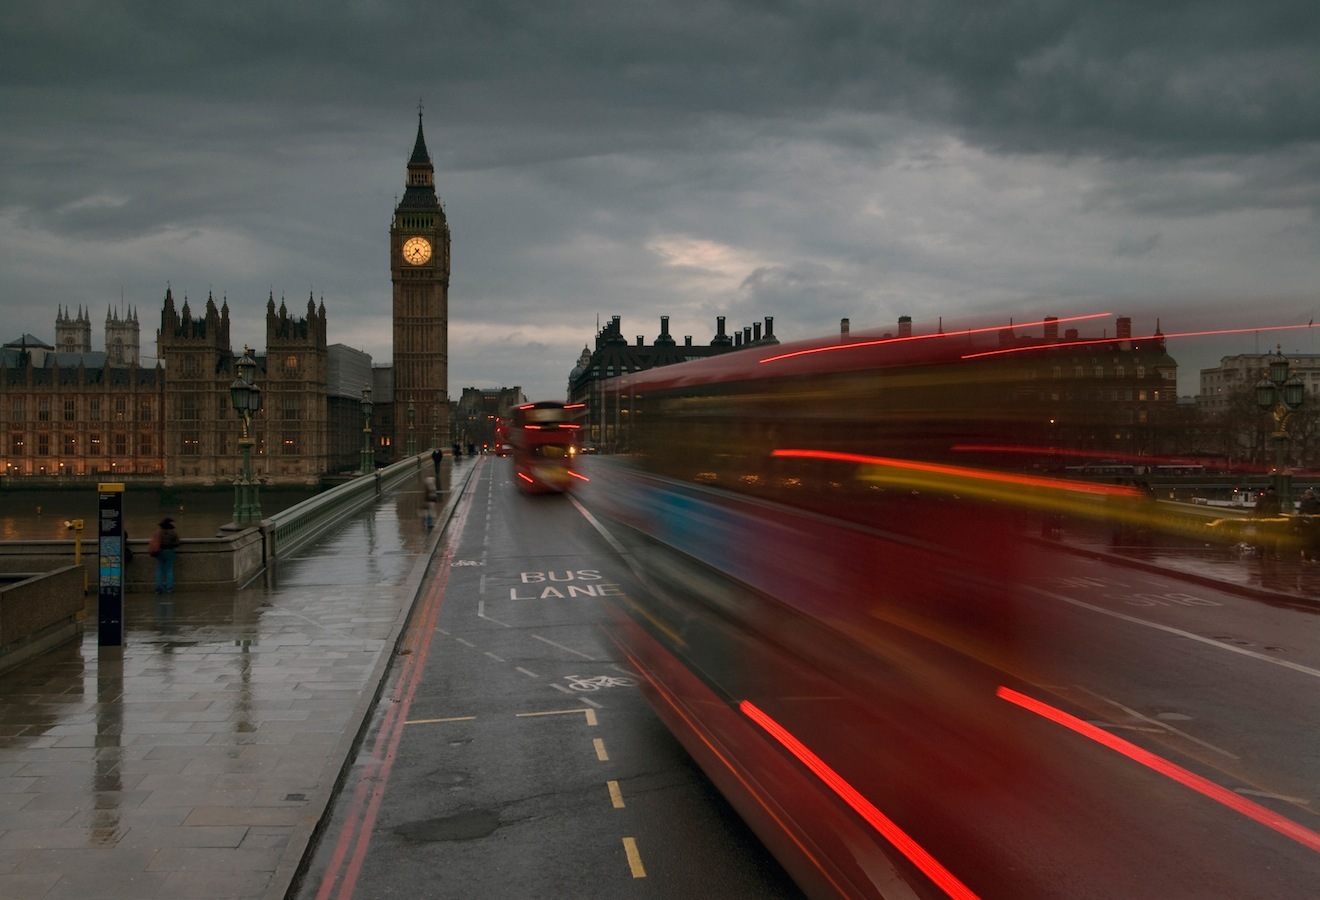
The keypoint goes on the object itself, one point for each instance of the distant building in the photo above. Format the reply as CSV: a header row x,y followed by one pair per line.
x,y
1235,373
477,410
615,356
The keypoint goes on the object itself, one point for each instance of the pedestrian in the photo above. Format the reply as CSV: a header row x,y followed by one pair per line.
x,y
436,456
1267,532
1307,510
432,497
164,547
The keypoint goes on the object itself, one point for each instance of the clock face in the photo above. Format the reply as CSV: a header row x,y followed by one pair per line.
x,y
416,251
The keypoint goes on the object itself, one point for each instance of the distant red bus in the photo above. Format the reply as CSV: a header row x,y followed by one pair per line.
x,y
545,438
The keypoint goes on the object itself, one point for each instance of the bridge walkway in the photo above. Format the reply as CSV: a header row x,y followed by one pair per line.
x,y
198,759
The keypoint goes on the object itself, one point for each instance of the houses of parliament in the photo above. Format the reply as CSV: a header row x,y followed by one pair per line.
x,y
67,411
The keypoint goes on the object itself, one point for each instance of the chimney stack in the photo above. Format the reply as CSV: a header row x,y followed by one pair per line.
x,y
1051,328
904,326
756,331
1124,327
769,327
843,329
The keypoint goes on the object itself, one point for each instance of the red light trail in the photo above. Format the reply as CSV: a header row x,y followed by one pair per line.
x,y
1149,337
852,345
918,855
1266,817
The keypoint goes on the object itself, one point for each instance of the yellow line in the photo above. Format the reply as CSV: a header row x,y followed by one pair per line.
x,y
434,721
616,795
600,750
591,714
634,858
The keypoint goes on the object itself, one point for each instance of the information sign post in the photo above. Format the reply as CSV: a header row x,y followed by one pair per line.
x,y
110,550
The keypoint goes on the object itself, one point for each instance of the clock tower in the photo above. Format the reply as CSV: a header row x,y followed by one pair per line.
x,y
419,271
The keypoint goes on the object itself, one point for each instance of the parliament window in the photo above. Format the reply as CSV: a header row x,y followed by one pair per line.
x,y
70,410
94,409
43,410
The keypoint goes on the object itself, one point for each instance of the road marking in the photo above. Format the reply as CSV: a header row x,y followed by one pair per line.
x,y
438,721
466,643
566,649
529,674
481,614
616,795
1268,796
496,658
600,749
634,858
1160,726
1287,664
589,713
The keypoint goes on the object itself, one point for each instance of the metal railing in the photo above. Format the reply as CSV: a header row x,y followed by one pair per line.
x,y
294,528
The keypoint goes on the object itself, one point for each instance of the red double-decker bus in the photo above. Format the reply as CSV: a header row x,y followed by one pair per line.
x,y
545,438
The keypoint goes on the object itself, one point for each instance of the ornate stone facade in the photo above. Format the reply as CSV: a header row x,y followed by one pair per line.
x,y
419,271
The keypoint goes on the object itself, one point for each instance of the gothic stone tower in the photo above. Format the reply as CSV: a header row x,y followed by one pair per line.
x,y
198,371
73,334
294,385
419,270
123,338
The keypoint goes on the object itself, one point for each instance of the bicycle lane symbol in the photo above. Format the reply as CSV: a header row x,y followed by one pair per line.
x,y
578,683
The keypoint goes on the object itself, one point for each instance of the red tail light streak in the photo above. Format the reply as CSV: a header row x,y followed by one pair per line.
x,y
578,475
525,478
853,345
1268,818
917,854
1135,340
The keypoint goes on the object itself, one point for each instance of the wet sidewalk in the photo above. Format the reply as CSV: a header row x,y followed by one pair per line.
x,y
198,759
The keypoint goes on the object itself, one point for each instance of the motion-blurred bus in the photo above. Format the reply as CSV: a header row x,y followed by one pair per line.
x,y
848,615
545,438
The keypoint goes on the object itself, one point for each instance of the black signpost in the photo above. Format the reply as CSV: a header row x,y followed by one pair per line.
x,y
110,550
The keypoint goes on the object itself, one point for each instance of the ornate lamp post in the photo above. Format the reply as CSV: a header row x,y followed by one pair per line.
x,y
412,440
246,399
1280,396
368,452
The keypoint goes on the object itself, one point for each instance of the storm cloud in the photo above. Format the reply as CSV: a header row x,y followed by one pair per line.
x,y
804,160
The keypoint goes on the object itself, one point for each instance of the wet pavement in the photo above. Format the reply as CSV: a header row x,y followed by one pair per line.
x,y
198,759
1287,579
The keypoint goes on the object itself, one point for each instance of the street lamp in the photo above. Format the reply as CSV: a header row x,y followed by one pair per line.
x,y
368,452
412,443
1281,396
246,400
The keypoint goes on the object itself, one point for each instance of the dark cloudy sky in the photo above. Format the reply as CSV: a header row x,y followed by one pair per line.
x,y
805,159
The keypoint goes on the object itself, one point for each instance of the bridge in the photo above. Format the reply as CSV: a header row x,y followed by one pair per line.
x,y
429,708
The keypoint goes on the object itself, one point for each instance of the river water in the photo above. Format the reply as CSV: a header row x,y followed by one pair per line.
x,y
40,515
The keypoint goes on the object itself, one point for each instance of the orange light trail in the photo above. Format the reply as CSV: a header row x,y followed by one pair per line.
x,y
1085,487
1235,802
918,855
1149,337
852,345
